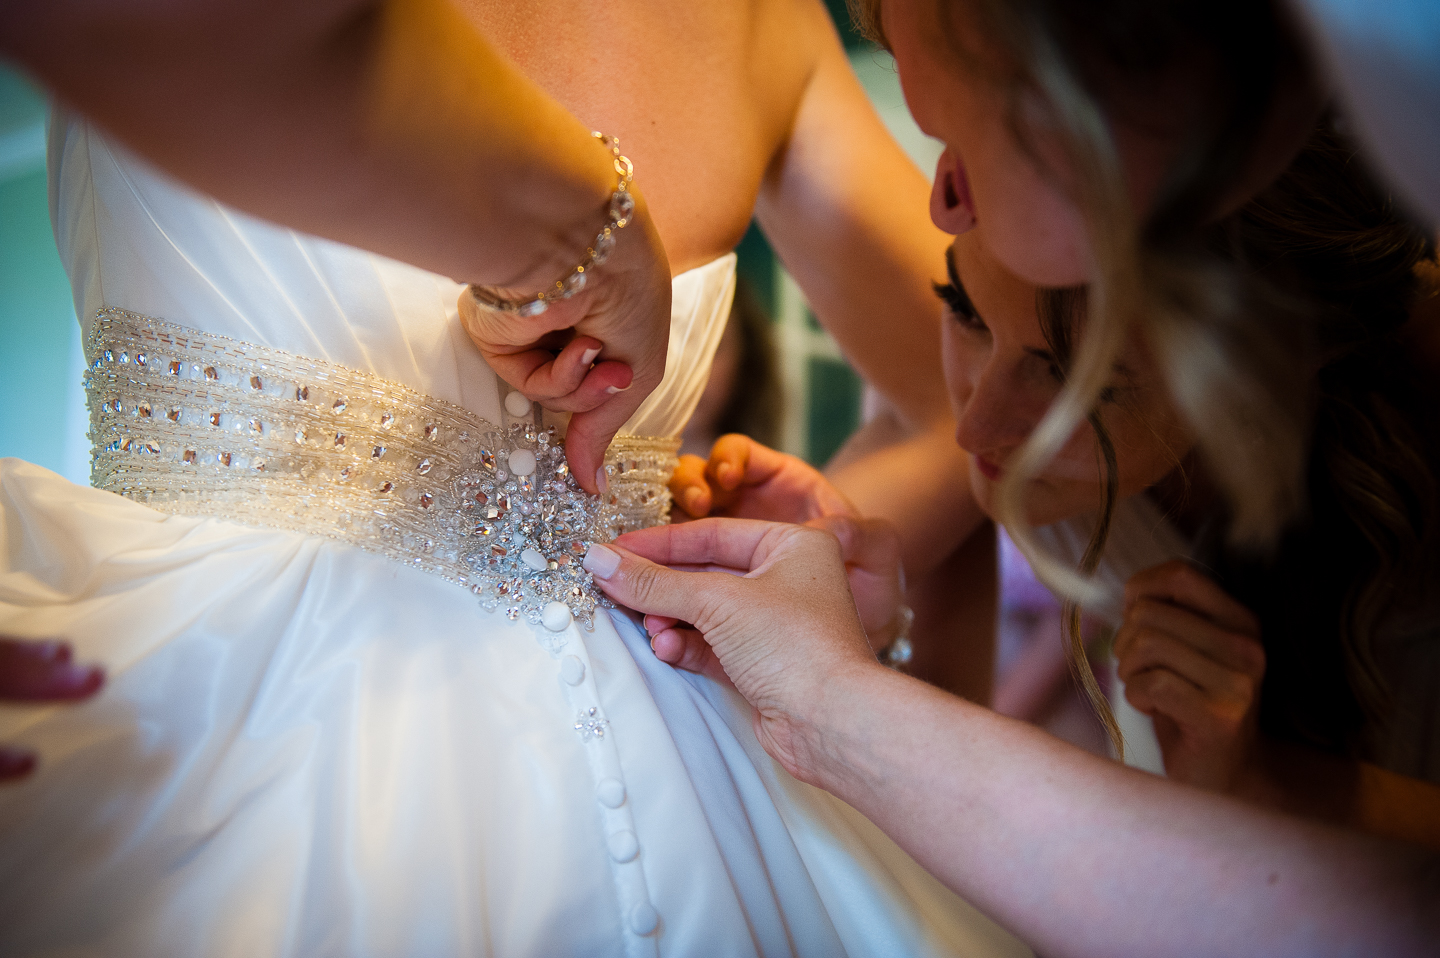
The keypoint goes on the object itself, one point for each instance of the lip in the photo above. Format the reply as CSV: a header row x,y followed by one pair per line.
x,y
987,468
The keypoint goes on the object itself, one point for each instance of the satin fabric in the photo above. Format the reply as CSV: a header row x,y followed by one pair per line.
x,y
306,749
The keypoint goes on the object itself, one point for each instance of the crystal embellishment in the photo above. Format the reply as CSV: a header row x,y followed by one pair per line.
x,y
591,724
390,470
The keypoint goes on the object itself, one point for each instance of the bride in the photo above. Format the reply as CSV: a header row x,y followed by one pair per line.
x,y
362,697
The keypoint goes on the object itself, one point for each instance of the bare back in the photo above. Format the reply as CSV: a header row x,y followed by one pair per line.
x,y
702,95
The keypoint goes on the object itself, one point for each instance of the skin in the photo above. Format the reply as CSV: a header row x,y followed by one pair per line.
x,y
456,137
39,672
979,799
1021,201
1003,375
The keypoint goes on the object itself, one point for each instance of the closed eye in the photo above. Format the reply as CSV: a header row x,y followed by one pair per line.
x,y
954,296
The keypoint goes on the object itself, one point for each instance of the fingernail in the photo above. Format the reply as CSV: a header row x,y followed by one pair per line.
x,y
588,356
725,473
692,496
601,561
612,390
602,481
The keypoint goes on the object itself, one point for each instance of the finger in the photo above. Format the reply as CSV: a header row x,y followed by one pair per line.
x,y
731,543
560,381
43,671
590,431
15,763
1160,692
573,363
687,649
495,331
655,624
689,488
1150,650
1231,650
731,461
651,589
1180,583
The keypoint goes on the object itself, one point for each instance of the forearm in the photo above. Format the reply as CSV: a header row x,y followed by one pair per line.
x,y
917,479
1081,856
390,124
847,213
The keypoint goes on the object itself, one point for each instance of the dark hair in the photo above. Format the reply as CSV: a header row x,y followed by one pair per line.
x,y
1343,260
1332,266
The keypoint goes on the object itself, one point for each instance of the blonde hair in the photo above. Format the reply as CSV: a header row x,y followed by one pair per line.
x,y
1249,424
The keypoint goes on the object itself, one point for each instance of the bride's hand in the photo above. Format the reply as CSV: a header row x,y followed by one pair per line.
x,y
39,672
766,574
596,355
746,480
1190,657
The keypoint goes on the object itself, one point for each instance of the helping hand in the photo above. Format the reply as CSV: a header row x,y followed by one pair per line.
x,y
770,574
1190,657
39,672
746,480
623,315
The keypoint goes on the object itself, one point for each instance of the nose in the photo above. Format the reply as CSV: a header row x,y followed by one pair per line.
x,y
993,417
951,207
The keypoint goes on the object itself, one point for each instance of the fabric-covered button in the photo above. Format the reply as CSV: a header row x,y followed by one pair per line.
x,y
522,462
555,616
572,670
644,919
516,404
623,844
611,792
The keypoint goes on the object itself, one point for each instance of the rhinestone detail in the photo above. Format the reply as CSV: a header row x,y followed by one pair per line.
x,y
404,475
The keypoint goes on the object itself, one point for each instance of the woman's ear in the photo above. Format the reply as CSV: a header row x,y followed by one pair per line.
x,y
951,207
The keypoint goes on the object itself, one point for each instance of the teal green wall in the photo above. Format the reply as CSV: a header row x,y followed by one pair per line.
x,y
37,317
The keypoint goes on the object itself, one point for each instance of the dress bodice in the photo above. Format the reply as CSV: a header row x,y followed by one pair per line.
x,y
132,237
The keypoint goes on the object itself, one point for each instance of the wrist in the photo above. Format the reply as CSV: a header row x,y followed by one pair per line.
x,y
595,236
823,734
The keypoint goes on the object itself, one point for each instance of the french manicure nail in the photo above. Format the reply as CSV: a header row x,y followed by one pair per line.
x,y
612,390
588,356
601,561
602,481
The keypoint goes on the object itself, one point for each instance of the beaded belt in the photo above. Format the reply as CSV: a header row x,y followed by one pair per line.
x,y
196,424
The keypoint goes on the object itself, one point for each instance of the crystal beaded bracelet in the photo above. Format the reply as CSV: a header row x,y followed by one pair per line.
x,y
621,209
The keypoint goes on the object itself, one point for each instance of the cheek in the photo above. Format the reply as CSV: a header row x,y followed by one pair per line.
x,y
1029,226
957,362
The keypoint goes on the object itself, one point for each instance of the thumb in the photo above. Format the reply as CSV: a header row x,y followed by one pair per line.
x,y
589,434
649,588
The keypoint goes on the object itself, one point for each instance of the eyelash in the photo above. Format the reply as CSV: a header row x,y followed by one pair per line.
x,y
959,304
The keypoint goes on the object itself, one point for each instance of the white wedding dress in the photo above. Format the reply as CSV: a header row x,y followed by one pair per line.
x,y
315,739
